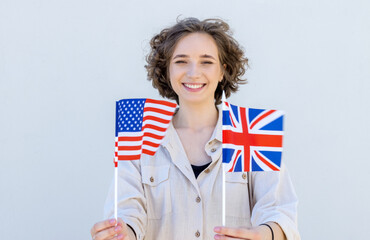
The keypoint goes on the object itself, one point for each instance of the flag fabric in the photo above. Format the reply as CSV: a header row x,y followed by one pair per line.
x,y
252,139
140,127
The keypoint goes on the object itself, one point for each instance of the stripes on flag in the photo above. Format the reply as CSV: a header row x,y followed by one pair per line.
x,y
141,125
252,139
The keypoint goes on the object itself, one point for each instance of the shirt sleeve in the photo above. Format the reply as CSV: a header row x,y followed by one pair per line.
x,y
131,201
275,201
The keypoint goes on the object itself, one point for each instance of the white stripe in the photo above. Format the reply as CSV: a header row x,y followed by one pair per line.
x,y
158,133
262,164
129,134
129,152
231,128
160,106
271,149
265,132
153,140
150,148
156,123
270,118
236,148
159,115
130,143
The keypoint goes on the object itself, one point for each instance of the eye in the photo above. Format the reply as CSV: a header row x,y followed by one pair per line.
x,y
207,62
180,61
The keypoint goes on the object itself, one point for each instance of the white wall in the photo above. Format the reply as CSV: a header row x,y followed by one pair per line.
x,y
64,63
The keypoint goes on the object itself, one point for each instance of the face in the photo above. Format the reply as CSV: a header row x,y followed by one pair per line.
x,y
195,69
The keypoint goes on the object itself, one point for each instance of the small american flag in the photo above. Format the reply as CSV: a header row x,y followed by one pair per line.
x,y
140,127
252,139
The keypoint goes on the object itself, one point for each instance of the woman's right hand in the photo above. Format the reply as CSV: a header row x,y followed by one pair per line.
x,y
107,230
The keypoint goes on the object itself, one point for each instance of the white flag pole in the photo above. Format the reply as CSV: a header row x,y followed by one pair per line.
x,y
223,173
115,191
115,178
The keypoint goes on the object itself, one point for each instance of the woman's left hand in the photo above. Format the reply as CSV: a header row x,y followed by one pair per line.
x,y
228,233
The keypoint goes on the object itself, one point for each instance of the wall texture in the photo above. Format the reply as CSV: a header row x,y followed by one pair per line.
x,y
64,63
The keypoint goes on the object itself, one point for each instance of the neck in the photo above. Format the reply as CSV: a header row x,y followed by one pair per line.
x,y
196,117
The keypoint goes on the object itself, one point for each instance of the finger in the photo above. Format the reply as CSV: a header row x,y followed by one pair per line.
x,y
99,226
236,232
119,237
223,237
108,233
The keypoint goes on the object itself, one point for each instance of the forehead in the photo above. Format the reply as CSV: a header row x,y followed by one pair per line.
x,y
196,44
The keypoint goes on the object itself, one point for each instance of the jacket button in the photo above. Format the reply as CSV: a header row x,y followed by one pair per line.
x,y
198,199
244,176
151,179
213,150
197,234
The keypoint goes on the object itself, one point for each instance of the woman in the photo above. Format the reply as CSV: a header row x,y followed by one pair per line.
x,y
177,193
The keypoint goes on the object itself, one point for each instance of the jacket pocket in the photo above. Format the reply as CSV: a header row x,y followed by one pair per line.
x,y
237,197
156,184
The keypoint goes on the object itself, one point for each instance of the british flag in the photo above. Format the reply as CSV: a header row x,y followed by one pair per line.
x,y
252,139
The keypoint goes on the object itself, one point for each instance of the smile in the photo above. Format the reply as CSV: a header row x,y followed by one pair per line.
x,y
194,85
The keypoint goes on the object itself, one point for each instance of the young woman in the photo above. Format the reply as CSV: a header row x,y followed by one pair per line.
x,y
177,193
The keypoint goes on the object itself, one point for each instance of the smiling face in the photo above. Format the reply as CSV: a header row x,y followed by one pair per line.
x,y
195,69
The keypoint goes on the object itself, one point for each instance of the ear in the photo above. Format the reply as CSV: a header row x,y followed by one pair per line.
x,y
222,75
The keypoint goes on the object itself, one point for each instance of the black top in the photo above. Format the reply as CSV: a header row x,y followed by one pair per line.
x,y
198,169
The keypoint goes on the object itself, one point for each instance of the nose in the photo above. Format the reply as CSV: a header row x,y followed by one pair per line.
x,y
193,71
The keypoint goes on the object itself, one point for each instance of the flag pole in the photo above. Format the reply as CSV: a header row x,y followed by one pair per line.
x,y
223,173
115,191
116,161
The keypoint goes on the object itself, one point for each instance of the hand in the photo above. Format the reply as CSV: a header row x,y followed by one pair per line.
x,y
107,230
228,233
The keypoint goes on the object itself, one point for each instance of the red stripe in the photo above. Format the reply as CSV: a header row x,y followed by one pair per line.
x,y
128,148
151,135
261,117
151,126
157,119
266,162
128,157
232,121
129,139
237,155
148,152
166,103
158,110
151,144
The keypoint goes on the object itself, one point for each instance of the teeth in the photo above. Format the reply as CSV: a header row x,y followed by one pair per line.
x,y
194,86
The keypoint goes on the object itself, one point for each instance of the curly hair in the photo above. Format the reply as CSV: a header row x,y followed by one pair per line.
x,y
230,53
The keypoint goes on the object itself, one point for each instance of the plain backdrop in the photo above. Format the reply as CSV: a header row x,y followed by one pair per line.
x,y
63,64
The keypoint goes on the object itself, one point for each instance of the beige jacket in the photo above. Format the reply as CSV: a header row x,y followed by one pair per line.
x,y
160,198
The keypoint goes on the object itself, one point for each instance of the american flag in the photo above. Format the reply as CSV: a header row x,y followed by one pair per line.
x,y
252,139
140,126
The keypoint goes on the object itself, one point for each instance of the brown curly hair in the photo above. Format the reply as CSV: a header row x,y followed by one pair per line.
x,y
163,45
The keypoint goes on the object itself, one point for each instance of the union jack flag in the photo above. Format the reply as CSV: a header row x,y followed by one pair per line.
x,y
252,139
140,126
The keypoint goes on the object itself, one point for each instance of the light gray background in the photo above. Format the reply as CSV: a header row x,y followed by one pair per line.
x,y
63,64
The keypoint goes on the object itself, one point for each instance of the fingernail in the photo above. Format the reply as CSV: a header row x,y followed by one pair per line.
x,y
117,229
217,229
112,221
120,236
217,237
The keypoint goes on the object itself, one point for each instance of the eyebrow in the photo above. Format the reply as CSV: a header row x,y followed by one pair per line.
x,y
186,56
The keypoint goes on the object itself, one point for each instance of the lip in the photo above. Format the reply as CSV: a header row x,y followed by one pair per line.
x,y
194,89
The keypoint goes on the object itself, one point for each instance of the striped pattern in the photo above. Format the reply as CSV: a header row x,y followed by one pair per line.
x,y
140,127
252,139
